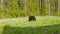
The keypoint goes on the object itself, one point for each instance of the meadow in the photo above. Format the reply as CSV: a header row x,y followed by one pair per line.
x,y
42,25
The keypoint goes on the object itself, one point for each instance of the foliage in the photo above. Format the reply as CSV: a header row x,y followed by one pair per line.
x,y
21,8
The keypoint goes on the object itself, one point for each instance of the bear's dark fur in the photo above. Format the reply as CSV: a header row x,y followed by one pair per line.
x,y
32,18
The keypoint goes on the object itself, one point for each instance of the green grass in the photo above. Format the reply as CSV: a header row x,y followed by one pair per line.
x,y
43,25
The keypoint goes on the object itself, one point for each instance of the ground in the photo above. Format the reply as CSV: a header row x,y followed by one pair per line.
x,y
41,25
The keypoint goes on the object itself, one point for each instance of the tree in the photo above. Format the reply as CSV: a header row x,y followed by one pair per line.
x,y
1,1
41,4
22,5
48,5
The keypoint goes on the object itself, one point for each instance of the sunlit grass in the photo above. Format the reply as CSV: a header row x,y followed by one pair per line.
x,y
40,21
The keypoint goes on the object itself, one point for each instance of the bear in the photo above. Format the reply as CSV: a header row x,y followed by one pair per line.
x,y
32,18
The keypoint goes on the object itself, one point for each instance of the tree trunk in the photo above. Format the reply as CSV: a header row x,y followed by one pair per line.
x,y
48,5
2,4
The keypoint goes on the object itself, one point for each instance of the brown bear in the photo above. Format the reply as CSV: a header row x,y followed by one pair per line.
x,y
32,18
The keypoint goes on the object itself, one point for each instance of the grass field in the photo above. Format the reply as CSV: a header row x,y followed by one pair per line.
x,y
42,25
